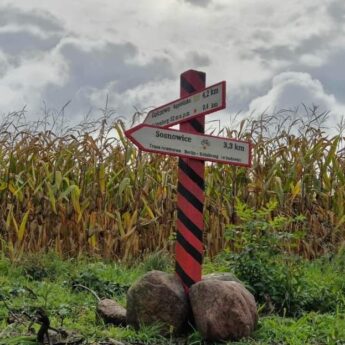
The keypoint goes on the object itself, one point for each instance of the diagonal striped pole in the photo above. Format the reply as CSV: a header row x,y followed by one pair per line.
x,y
190,195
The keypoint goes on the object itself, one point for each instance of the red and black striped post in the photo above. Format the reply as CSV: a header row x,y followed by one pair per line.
x,y
190,195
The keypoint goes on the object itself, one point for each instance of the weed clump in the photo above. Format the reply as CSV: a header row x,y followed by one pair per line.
x,y
40,266
282,283
102,288
159,260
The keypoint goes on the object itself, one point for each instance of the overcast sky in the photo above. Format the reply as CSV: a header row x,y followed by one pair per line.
x,y
273,54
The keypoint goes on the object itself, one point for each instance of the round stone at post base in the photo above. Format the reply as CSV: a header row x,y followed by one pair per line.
x,y
223,310
158,298
224,276
111,312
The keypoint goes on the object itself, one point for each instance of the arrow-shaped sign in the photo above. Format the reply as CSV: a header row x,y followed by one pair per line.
x,y
183,109
202,147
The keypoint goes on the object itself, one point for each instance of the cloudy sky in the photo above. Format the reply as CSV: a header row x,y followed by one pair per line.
x,y
273,54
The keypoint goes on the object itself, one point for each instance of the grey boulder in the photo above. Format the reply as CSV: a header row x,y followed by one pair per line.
x,y
158,298
111,312
223,310
225,276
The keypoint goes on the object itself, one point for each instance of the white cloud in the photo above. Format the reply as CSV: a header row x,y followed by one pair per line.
x,y
4,64
247,43
291,89
312,60
25,84
143,97
200,3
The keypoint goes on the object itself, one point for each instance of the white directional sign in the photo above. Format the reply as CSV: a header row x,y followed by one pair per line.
x,y
202,147
201,103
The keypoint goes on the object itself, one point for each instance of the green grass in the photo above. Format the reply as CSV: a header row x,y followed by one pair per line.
x,y
46,281
312,328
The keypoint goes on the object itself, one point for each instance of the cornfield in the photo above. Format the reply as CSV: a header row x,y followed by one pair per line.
x,y
88,190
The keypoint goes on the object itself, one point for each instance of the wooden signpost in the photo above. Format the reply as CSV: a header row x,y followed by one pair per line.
x,y
193,148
